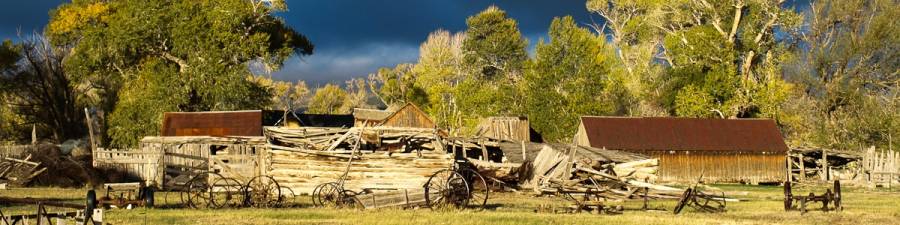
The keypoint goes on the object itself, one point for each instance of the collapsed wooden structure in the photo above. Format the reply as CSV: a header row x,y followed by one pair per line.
x,y
19,171
868,167
593,178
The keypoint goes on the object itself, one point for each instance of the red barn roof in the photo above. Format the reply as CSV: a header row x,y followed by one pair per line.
x,y
691,134
214,123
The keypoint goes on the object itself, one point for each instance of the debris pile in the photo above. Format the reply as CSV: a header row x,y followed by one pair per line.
x,y
19,172
590,177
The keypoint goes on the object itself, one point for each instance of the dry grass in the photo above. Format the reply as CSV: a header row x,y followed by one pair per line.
x,y
763,205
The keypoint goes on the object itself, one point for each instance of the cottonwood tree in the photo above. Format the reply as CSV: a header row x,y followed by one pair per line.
x,y
146,57
438,70
847,74
328,100
568,78
36,90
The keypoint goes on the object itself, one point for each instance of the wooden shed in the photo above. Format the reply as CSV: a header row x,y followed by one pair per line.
x,y
515,129
721,150
408,115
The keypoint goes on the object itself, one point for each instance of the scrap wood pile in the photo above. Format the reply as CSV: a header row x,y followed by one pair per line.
x,y
590,177
19,172
338,142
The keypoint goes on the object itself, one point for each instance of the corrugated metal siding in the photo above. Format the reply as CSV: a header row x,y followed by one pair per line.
x,y
748,135
222,123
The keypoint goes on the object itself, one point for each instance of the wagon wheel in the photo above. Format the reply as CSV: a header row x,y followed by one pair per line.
x,y
446,189
262,192
226,192
837,196
685,197
479,189
198,190
287,197
329,195
315,195
788,197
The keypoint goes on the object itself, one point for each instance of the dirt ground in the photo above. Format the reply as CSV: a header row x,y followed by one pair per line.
x,y
759,205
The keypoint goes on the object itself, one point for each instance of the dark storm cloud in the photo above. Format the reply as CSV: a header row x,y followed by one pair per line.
x,y
354,38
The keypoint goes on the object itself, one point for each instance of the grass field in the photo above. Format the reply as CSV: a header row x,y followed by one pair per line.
x,y
760,205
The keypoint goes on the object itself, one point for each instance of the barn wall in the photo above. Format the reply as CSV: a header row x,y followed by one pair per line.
x,y
409,117
716,167
303,172
506,128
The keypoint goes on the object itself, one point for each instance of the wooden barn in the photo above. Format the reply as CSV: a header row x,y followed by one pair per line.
x,y
721,150
408,115
515,129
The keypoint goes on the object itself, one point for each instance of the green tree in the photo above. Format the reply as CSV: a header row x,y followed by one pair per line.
x,y
846,70
567,79
493,57
438,70
193,55
396,86
328,100
493,45
39,91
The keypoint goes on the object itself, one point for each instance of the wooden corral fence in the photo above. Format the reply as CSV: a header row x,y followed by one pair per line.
x,y
881,167
506,128
168,161
144,164
14,151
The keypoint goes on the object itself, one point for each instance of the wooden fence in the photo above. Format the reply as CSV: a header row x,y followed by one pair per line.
x,y
145,164
881,167
166,161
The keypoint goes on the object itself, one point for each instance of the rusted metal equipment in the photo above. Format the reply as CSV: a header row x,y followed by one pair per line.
x,y
701,201
828,198
81,213
122,195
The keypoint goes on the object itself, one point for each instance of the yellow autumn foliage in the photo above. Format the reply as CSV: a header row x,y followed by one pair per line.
x,y
74,17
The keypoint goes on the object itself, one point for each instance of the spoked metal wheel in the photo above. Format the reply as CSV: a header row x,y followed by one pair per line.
x,y
262,192
199,190
287,197
446,189
479,190
315,195
685,197
226,192
329,195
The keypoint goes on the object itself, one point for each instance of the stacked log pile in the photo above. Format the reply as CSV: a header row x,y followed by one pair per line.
x,y
592,176
366,158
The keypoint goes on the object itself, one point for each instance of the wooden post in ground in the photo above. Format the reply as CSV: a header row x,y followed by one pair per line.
x,y
90,126
802,168
524,158
825,169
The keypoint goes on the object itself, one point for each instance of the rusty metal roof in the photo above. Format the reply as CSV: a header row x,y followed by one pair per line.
x,y
668,133
214,123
